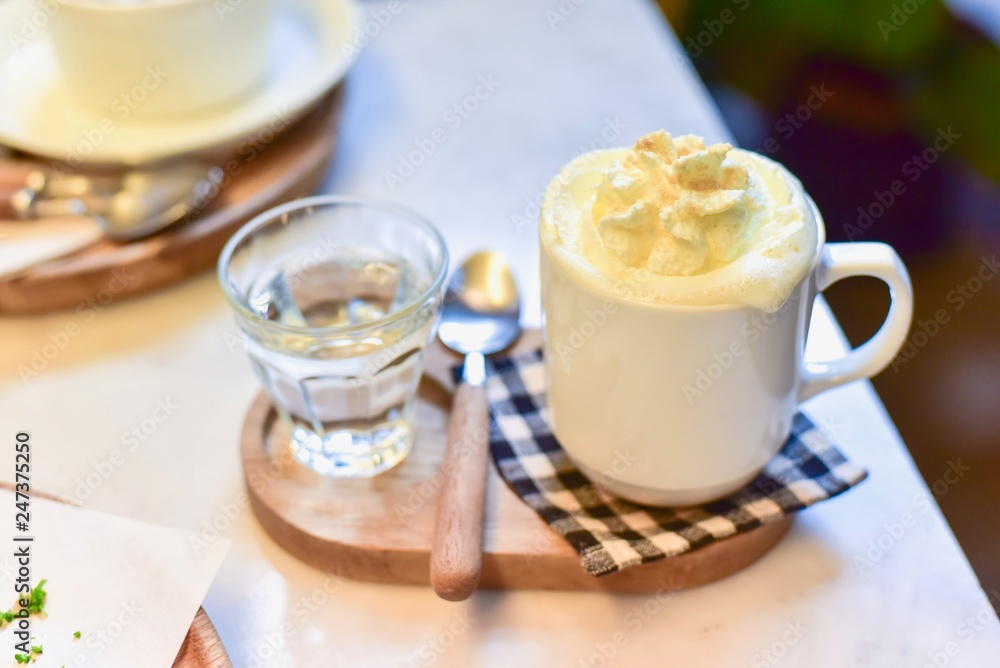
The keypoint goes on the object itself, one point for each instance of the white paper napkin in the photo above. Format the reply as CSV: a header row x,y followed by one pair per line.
x,y
24,243
131,589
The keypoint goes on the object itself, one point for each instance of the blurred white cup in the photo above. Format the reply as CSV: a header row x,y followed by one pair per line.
x,y
160,58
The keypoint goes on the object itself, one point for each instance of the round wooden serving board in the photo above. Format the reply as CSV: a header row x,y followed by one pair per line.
x,y
290,166
381,529
202,647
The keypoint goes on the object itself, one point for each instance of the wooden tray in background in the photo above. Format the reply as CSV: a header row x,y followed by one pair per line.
x,y
291,166
381,529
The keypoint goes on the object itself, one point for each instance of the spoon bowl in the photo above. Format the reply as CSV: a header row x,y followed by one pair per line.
x,y
131,205
150,200
481,306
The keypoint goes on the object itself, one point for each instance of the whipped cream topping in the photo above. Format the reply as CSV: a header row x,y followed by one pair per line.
x,y
673,221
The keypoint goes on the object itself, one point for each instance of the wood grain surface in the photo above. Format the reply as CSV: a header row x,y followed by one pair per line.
x,y
381,529
260,175
202,647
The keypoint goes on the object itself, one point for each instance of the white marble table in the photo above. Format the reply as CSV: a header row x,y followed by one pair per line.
x,y
610,68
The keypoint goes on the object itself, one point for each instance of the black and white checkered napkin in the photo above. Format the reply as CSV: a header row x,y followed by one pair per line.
x,y
610,533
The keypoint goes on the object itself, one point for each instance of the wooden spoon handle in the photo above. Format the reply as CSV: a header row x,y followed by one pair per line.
x,y
457,553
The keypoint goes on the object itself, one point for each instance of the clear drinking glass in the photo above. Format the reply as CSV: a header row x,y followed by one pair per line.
x,y
338,298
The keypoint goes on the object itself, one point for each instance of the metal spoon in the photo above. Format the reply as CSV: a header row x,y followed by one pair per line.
x,y
152,200
140,202
479,317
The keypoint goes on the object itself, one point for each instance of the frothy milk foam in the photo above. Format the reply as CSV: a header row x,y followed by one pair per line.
x,y
673,222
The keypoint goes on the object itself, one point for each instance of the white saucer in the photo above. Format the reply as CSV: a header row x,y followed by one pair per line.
x,y
310,52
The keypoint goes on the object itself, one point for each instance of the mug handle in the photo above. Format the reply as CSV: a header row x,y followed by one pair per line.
x,y
862,259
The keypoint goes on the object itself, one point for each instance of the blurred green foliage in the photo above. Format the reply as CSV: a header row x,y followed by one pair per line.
x,y
943,73
964,91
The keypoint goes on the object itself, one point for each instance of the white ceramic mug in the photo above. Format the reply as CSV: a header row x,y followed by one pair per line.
x,y
679,405
160,58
